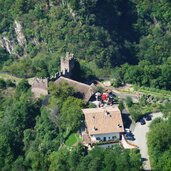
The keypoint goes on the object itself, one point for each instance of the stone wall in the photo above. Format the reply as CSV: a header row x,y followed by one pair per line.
x,y
67,64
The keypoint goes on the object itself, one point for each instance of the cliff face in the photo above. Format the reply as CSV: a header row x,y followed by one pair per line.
x,y
10,44
19,34
16,40
7,44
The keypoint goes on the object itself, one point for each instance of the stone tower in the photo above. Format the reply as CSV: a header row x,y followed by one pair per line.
x,y
67,64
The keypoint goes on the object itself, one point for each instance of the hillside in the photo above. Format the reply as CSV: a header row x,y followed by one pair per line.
x,y
100,34
126,41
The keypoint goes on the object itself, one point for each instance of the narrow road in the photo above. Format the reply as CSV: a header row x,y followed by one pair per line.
x,y
12,77
140,134
123,96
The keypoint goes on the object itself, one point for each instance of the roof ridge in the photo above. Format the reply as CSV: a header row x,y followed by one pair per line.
x,y
75,81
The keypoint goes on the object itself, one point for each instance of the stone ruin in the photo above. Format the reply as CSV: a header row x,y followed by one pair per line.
x,y
40,85
67,65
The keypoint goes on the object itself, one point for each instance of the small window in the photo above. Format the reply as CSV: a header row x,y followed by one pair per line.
x,y
109,138
113,137
97,138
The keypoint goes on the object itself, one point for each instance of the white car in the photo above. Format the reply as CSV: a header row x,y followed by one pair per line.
x,y
127,130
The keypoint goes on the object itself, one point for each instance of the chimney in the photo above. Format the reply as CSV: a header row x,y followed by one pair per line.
x,y
107,113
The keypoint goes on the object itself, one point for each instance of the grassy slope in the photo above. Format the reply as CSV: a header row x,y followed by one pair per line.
x,y
73,139
13,78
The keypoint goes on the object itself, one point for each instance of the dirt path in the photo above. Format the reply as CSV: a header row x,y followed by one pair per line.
x,y
7,76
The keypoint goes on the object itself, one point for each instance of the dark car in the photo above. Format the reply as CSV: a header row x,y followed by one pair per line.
x,y
111,94
142,121
129,136
148,117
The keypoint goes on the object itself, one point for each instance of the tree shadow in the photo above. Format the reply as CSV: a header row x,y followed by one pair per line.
x,y
143,159
126,120
119,19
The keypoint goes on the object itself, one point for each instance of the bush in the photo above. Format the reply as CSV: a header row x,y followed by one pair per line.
x,y
121,106
100,89
129,101
117,83
135,112
2,84
23,86
9,83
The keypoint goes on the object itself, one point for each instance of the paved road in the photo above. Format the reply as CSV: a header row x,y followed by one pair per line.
x,y
123,96
140,133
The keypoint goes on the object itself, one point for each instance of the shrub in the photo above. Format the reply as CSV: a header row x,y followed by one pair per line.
x,y
129,101
2,84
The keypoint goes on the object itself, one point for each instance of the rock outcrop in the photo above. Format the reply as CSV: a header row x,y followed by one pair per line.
x,y
19,34
7,44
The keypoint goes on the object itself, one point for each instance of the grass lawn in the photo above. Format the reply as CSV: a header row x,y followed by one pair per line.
x,y
73,139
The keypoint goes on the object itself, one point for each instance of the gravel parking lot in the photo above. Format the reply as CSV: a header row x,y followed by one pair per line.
x,y
140,132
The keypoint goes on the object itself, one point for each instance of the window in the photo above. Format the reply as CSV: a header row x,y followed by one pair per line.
x,y
98,138
109,138
113,138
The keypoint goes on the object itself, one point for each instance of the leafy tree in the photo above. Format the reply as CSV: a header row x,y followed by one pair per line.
x,y
42,141
135,112
63,90
117,83
121,106
2,84
4,57
18,116
159,144
71,114
100,89
22,86
129,101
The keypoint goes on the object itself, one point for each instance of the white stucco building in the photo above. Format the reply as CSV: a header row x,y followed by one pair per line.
x,y
103,125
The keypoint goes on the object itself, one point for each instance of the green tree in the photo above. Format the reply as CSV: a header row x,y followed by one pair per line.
x,y
121,106
129,101
22,86
159,139
71,114
2,84
19,114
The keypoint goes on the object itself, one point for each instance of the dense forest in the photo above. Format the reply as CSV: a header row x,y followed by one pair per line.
x,y
129,41
101,34
33,136
159,144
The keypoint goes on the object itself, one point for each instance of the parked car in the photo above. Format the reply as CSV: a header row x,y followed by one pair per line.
x,y
129,136
127,130
142,121
148,117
